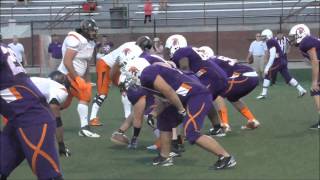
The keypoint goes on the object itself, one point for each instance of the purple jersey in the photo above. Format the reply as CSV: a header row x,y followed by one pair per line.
x,y
230,66
307,43
18,95
184,85
280,58
208,72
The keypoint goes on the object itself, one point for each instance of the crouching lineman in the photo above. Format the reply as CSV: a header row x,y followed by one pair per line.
x,y
190,99
30,131
241,81
55,91
77,50
310,48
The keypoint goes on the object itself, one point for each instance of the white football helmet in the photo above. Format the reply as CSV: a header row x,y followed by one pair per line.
x,y
207,51
266,34
128,54
298,32
175,42
134,68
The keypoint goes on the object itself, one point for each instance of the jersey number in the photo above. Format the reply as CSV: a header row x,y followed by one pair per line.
x,y
13,63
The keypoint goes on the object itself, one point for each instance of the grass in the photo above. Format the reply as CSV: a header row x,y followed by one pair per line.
x,y
283,148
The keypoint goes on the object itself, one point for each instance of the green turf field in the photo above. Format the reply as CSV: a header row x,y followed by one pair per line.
x,y
283,148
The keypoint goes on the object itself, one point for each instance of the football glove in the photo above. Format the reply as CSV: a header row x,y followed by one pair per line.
x,y
150,121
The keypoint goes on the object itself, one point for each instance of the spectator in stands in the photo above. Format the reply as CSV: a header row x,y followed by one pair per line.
x,y
103,47
18,50
157,47
89,6
55,52
147,11
163,4
257,49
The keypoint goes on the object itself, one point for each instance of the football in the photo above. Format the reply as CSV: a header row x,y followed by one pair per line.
x,y
119,138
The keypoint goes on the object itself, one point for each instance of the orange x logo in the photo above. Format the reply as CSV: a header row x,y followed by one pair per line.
x,y
192,119
37,149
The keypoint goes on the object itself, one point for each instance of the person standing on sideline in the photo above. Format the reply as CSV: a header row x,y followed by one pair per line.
x,y
55,51
157,48
147,11
18,49
258,50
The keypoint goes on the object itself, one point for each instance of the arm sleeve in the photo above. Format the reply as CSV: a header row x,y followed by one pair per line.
x,y
251,47
72,43
272,56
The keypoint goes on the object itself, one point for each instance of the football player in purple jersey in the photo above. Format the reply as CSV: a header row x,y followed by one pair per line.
x,y
276,63
241,80
219,82
310,48
30,131
190,99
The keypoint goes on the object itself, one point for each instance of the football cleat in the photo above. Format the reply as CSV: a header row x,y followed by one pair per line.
x,y
152,147
65,152
95,122
174,154
251,125
162,161
133,143
224,163
226,128
219,132
119,138
315,126
302,93
85,132
261,96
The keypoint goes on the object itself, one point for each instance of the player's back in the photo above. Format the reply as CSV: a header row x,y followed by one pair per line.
x,y
184,85
307,43
194,57
18,95
230,65
50,89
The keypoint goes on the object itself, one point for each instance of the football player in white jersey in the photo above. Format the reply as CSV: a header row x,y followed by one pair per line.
x,y
108,67
77,50
55,91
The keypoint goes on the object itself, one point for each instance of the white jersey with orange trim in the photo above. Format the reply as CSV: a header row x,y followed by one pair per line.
x,y
77,42
121,54
51,89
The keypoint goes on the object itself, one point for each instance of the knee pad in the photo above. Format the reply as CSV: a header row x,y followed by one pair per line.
x,y
192,136
99,99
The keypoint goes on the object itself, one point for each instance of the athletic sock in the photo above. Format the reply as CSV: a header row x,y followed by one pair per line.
x,y
247,113
83,114
96,106
126,105
136,131
223,112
